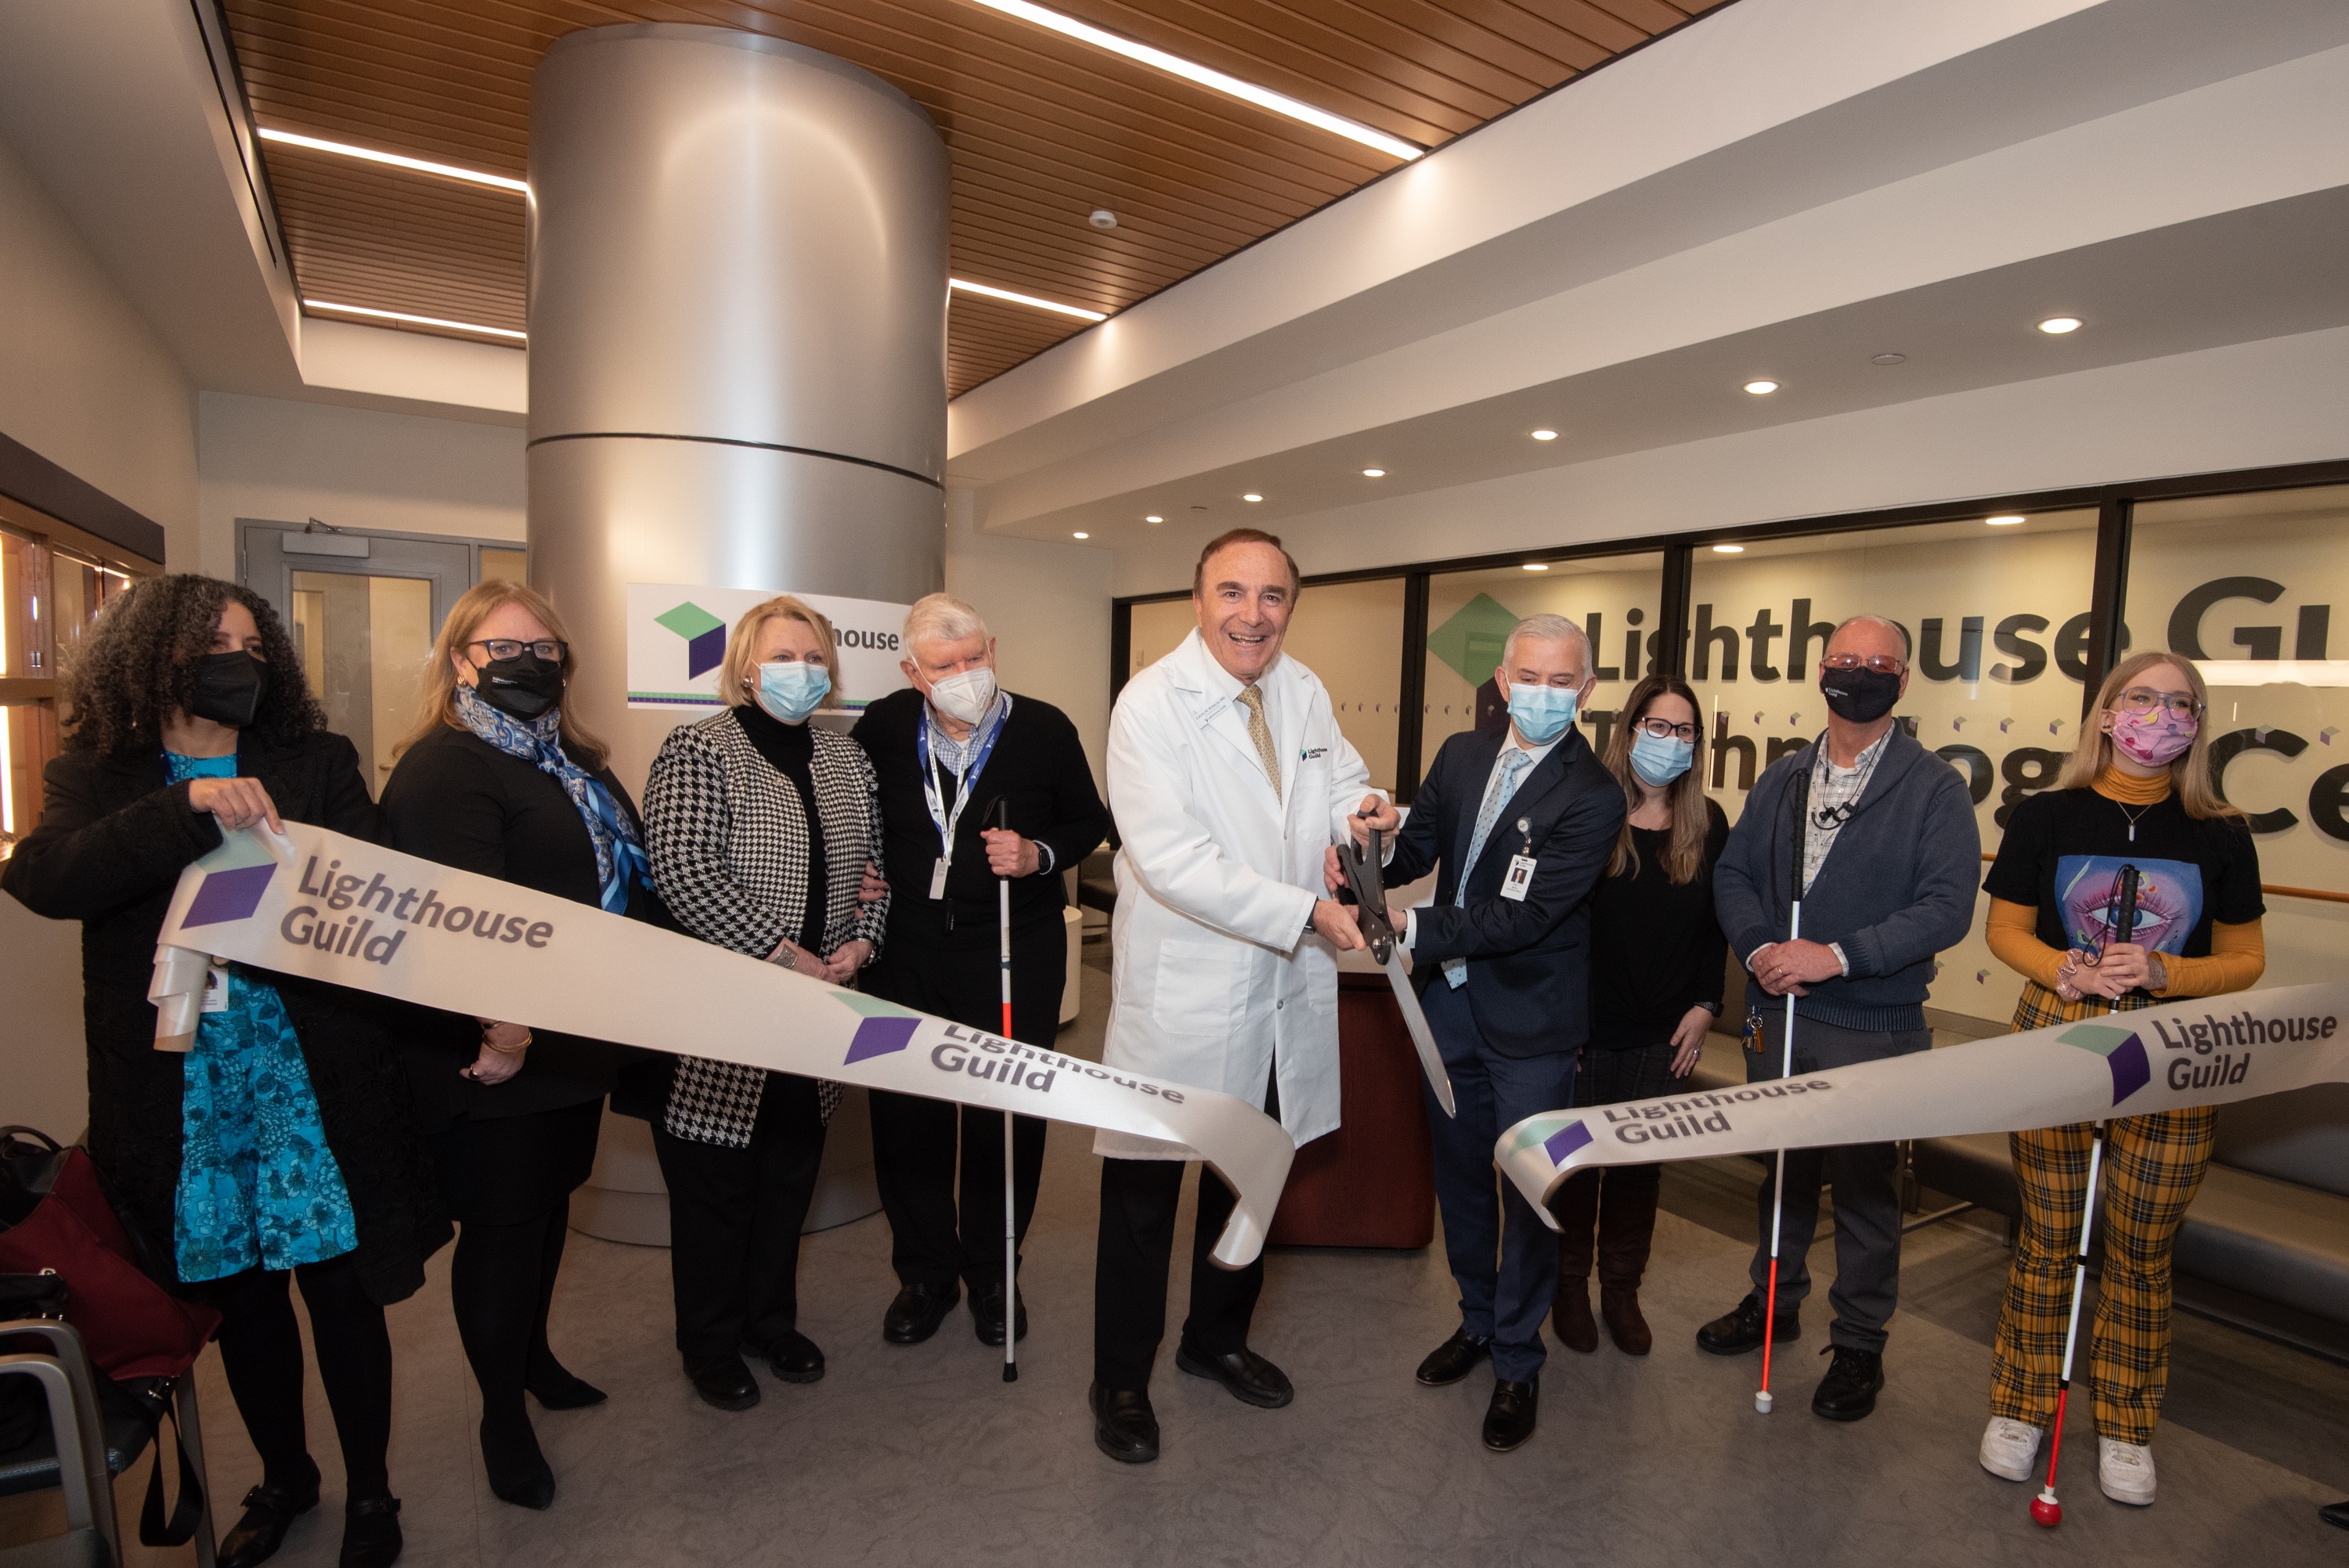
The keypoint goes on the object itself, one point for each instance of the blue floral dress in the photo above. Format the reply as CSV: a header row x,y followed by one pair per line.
x,y
258,1186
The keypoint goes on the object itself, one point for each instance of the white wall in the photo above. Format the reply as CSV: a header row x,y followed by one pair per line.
x,y
354,467
84,381
1047,605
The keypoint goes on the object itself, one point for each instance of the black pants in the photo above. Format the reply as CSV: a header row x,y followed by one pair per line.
x,y
261,1351
1134,1256
933,1241
734,1219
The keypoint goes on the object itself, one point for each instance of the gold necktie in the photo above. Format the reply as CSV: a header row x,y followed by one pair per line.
x,y
1252,698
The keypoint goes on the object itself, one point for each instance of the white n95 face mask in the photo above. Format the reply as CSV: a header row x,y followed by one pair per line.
x,y
965,697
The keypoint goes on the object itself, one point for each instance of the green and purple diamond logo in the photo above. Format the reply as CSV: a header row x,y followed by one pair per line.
x,y
233,893
886,1029
2122,1050
704,634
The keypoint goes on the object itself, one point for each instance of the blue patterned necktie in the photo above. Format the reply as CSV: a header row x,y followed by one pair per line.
x,y
1515,761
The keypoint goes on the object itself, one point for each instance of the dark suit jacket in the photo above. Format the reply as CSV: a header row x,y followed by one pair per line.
x,y
1529,959
112,841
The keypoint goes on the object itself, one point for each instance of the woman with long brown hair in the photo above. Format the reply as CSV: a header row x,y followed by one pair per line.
x,y
2137,796
1657,959
500,778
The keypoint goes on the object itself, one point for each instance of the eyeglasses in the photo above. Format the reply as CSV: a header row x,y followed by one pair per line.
x,y
1882,663
1665,729
2145,699
552,650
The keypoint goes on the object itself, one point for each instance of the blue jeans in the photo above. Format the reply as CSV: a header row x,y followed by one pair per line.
x,y
1501,1256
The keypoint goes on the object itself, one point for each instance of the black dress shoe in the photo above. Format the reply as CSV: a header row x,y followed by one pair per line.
x,y
1509,1418
269,1512
1849,1390
517,1470
1454,1359
918,1310
371,1537
1739,1329
1252,1380
2334,1513
792,1357
1125,1426
555,1387
726,1384
986,1315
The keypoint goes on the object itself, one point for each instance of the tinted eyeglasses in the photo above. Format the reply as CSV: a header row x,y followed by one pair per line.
x,y
2145,699
1882,663
1664,729
552,650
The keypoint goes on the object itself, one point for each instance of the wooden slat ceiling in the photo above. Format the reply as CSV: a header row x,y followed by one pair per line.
x,y
1042,129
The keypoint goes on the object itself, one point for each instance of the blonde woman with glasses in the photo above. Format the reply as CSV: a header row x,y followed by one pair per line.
x,y
2138,796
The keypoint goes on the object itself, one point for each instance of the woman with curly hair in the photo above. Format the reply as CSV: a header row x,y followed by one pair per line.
x,y
277,1146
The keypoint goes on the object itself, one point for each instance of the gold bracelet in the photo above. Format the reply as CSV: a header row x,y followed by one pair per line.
x,y
513,1050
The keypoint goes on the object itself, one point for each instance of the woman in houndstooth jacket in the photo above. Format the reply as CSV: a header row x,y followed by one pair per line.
x,y
759,826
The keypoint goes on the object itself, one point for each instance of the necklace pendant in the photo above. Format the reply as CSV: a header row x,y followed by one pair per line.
x,y
2132,832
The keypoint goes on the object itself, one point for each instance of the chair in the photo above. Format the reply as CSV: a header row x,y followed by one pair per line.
x,y
107,1443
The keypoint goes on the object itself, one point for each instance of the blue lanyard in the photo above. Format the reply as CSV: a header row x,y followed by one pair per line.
x,y
967,780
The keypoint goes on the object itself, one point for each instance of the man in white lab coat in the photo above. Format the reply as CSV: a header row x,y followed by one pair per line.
x,y
1227,778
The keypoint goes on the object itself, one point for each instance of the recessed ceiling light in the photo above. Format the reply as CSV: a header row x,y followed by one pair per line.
x,y
2005,519
1761,389
1535,566
1374,473
1081,536
1101,218
1544,435
507,332
992,292
1887,359
1251,496
1729,549
398,161
2057,325
1153,517
1190,70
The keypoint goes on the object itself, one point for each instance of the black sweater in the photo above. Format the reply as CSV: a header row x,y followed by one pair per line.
x,y
113,840
1656,950
456,799
1038,767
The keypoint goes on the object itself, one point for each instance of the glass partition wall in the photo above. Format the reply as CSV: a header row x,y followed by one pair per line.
x,y
1613,598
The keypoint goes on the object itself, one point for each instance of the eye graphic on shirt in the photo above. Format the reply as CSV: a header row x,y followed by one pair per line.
x,y
2168,900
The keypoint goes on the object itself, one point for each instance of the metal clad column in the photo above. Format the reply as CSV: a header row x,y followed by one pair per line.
x,y
738,284
738,296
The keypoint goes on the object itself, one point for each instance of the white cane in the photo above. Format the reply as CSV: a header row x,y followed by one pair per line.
x,y
1800,789
1001,816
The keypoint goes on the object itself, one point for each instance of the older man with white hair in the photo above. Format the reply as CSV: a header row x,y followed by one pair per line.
x,y
1519,824
946,752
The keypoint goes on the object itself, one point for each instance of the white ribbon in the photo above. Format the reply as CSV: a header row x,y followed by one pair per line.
x,y
316,903
2165,1057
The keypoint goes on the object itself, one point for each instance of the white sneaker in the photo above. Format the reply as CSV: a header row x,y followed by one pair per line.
x,y
2010,1449
2126,1471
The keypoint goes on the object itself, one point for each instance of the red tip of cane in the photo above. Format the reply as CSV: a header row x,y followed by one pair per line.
x,y
2045,1512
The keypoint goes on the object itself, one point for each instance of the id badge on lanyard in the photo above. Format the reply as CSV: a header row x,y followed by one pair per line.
x,y
967,783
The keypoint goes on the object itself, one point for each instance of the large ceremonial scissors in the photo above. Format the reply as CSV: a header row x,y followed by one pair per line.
x,y
1364,876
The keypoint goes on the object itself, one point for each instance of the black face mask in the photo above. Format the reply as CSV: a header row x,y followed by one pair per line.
x,y
227,688
1862,696
524,686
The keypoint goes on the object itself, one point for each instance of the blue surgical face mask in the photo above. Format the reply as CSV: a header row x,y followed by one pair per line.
x,y
1541,713
789,690
1659,762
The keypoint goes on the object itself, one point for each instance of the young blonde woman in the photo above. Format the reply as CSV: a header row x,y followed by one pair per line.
x,y
1657,961
760,825
499,778
2137,792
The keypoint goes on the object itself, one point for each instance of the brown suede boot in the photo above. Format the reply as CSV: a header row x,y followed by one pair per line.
x,y
1627,1230
1577,1207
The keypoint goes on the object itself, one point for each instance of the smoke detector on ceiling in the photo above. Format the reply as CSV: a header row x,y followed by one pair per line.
x,y
1103,218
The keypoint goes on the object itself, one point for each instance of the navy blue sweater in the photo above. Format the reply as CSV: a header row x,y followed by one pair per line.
x,y
1895,890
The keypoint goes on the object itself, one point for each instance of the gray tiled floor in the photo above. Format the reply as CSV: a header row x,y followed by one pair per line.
x,y
907,1455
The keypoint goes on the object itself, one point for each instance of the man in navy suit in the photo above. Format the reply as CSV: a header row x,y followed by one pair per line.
x,y
1521,823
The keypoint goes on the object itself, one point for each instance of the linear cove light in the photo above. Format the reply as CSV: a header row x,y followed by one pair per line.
x,y
1192,71
416,320
966,286
397,160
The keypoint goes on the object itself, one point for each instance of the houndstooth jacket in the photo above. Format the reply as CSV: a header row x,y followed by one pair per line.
x,y
728,845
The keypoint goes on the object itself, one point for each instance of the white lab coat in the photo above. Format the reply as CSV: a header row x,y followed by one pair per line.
x,y
1213,979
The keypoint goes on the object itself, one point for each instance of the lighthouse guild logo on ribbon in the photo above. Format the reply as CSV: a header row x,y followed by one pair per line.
x,y
230,894
2122,1050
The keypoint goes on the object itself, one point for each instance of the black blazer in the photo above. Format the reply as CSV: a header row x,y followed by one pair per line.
x,y
1038,767
1529,960
112,841
455,798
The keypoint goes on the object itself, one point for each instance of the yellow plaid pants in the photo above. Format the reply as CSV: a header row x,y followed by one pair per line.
x,y
2153,1166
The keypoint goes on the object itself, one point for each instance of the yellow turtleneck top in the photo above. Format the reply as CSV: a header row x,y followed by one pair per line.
x,y
2238,953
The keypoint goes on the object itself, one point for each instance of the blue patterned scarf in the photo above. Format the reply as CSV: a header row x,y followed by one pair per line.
x,y
620,862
